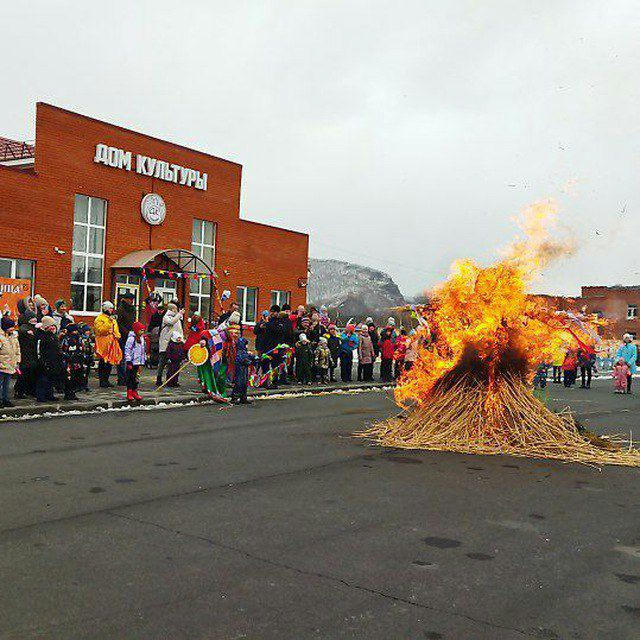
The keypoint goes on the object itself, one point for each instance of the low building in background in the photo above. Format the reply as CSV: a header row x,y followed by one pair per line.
x,y
618,304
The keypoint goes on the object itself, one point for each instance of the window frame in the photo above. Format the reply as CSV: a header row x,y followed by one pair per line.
x,y
278,297
198,248
89,225
14,268
243,304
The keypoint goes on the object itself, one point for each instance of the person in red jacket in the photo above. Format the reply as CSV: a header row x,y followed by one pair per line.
x,y
387,349
570,367
196,327
399,353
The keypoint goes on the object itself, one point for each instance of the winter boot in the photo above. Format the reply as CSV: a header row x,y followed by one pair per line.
x,y
136,395
130,396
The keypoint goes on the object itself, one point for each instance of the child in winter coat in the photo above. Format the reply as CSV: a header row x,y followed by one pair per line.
x,y
241,380
304,360
333,342
86,340
411,353
399,352
175,356
387,350
9,357
324,361
620,373
366,355
74,357
135,355
570,367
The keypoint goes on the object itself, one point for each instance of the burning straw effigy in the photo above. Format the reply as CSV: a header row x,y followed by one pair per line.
x,y
481,339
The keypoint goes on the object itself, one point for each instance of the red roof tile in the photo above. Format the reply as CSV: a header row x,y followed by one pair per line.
x,y
14,150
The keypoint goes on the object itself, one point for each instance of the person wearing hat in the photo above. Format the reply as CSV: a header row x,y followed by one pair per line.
x,y
73,351
348,344
304,359
108,350
42,307
629,353
175,356
171,321
61,315
333,342
366,355
387,350
135,355
126,316
374,335
26,381
9,357
50,369
241,379
274,335
323,359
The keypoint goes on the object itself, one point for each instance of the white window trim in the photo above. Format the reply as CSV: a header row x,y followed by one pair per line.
x,y
279,296
198,248
243,310
86,254
14,268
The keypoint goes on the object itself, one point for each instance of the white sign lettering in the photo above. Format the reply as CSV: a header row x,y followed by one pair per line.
x,y
146,166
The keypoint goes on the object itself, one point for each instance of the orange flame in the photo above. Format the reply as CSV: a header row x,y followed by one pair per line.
x,y
481,320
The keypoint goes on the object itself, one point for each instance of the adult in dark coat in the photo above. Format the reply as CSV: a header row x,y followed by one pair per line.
x,y
50,369
26,381
126,316
275,333
374,335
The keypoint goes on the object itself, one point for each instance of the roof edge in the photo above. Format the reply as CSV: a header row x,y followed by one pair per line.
x,y
273,226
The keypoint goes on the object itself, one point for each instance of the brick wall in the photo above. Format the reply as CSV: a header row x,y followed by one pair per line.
x,y
612,302
36,210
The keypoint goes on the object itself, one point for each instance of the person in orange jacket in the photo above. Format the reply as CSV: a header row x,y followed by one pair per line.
x,y
107,332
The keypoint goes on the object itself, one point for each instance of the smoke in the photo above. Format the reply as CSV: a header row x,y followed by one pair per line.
x,y
540,245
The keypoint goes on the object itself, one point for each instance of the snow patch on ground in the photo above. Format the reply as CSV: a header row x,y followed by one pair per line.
x,y
192,403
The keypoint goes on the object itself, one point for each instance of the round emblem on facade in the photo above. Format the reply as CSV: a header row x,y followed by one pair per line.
x,y
153,209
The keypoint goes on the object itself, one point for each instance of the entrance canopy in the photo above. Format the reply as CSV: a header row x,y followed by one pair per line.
x,y
186,261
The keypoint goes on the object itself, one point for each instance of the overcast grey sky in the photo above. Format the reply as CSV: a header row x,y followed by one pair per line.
x,y
400,135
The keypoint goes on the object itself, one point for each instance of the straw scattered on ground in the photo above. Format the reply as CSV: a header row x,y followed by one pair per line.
x,y
468,419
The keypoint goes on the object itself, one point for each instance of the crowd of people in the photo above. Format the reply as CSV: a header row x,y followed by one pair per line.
x,y
47,352
318,347
581,359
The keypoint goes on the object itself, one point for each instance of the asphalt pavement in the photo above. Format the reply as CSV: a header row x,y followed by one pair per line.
x,y
270,522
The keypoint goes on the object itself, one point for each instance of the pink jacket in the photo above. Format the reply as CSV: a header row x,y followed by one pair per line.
x,y
620,373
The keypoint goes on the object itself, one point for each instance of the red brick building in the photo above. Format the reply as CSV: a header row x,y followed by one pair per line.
x,y
72,209
617,303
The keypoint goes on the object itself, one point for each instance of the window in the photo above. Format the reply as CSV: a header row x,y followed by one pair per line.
x,y
17,268
203,244
247,301
87,259
632,311
280,298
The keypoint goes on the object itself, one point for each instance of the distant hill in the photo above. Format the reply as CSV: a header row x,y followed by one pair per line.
x,y
351,289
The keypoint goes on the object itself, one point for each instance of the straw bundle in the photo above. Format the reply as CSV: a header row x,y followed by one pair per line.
x,y
467,418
